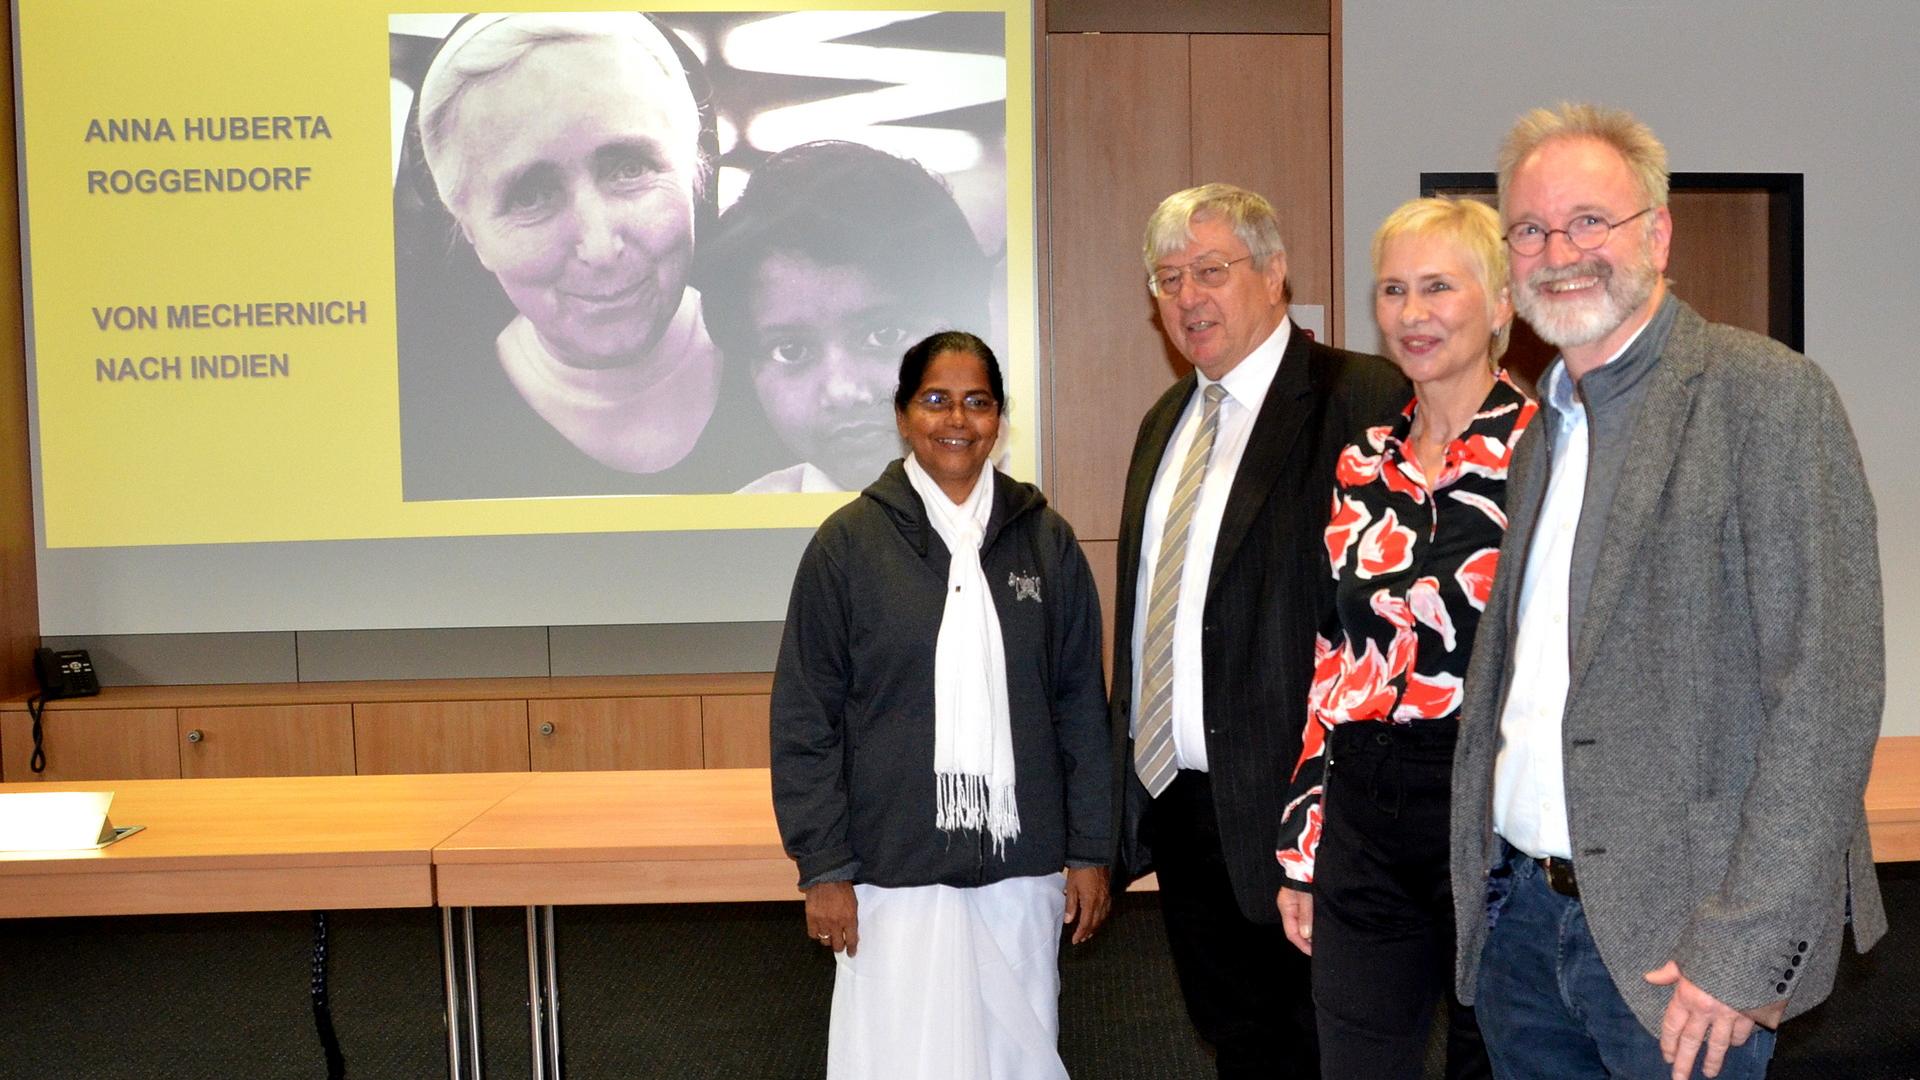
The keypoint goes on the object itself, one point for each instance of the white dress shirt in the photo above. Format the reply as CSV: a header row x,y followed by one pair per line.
x,y
1529,776
1246,386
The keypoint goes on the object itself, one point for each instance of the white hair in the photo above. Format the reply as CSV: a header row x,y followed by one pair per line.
x,y
487,45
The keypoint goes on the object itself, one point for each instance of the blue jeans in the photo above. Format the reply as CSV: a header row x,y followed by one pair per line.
x,y
1547,1004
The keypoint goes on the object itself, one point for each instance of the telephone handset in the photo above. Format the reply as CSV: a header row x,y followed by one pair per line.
x,y
65,674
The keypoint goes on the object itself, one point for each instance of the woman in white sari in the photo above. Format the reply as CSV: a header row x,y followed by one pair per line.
x,y
940,746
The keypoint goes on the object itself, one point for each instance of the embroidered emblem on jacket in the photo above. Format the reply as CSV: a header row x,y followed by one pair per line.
x,y
1024,586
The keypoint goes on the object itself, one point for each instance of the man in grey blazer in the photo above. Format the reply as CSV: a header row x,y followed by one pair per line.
x,y
1658,833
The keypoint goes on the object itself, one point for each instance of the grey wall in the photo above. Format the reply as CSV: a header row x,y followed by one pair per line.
x,y
458,653
1731,85
1827,90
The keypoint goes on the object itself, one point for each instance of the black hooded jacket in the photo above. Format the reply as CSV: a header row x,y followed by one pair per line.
x,y
853,781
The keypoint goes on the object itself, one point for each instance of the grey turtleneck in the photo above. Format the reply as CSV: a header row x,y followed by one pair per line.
x,y
1611,394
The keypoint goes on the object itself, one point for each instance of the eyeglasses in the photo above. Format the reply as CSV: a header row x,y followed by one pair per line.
x,y
1207,273
1588,232
939,401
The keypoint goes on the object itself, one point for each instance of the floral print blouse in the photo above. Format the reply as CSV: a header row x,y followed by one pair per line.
x,y
1413,565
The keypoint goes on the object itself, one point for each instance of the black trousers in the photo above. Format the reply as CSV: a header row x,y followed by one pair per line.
x,y
1383,906
1245,987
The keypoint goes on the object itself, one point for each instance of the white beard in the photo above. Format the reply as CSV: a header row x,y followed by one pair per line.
x,y
1567,323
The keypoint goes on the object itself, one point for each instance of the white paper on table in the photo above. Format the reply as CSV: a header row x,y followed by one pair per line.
x,y
57,821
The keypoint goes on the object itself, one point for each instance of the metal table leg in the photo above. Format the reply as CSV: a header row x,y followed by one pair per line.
x,y
450,971
543,994
463,1056
473,991
553,995
536,1042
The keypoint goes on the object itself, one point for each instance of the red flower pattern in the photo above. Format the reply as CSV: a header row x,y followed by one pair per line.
x,y
1299,857
1386,548
1328,662
1429,695
1494,511
1484,456
1414,568
1431,609
1476,576
1403,478
1365,687
1356,467
1343,527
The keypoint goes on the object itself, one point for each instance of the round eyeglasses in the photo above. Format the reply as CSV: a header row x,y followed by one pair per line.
x,y
939,401
1588,232
1207,273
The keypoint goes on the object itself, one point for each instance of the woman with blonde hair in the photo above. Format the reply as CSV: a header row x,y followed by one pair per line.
x,y
1412,544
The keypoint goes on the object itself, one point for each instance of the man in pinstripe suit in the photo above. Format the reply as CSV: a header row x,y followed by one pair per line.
x,y
1222,584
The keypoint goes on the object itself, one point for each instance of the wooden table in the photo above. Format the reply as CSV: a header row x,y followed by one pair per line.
x,y
654,837
1893,799
657,837
501,839
267,844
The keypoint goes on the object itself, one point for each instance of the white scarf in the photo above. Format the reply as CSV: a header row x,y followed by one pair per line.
x,y
972,728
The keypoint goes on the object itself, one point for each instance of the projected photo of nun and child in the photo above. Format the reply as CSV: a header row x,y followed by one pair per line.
x,y
578,315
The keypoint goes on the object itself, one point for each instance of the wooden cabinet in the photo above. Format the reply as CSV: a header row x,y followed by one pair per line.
x,y
1248,109
267,740
1276,139
734,728
440,736
570,734
86,744
1110,158
419,726
1253,109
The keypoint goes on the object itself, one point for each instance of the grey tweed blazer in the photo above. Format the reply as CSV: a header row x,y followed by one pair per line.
x,y
1727,684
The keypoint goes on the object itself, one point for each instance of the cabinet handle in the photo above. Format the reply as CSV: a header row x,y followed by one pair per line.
x,y
546,728
195,736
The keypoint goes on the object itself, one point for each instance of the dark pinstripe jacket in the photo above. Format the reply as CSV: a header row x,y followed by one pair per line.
x,y
1267,593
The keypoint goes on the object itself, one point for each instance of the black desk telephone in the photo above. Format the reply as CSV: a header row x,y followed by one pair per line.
x,y
67,674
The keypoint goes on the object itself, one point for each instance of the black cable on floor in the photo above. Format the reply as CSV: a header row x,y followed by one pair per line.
x,y
37,704
322,1011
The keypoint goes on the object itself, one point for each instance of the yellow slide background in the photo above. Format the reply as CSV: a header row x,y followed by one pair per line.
x,y
315,455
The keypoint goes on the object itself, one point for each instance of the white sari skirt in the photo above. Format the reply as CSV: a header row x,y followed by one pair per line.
x,y
951,984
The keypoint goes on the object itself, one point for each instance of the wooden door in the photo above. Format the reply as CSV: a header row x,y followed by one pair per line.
x,y
734,730
1130,119
1261,120
91,744
1734,257
440,736
267,740
1117,135
570,734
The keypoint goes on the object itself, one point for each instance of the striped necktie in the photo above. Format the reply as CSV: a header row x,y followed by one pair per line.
x,y
1153,746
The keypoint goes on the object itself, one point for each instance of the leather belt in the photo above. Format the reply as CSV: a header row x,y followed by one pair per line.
x,y
1560,877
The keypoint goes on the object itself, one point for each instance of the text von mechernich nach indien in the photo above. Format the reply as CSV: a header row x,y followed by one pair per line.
x,y
215,365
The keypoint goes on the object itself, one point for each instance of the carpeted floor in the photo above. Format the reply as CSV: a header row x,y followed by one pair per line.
x,y
712,991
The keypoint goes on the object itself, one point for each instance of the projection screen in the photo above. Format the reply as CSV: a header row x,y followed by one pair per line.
x,y
348,315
